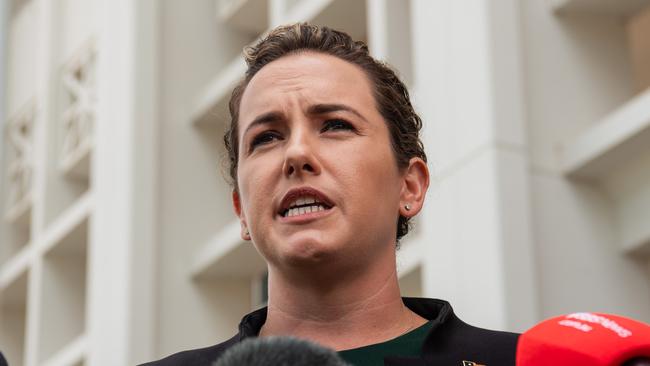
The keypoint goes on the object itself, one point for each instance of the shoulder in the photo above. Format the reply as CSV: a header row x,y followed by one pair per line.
x,y
196,357
452,341
483,346
458,331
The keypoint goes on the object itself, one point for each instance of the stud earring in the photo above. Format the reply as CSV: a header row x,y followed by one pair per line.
x,y
247,233
407,207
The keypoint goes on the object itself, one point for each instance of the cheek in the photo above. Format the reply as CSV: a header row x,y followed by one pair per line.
x,y
374,197
252,187
373,175
258,178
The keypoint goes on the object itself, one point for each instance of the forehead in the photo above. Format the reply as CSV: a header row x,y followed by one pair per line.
x,y
305,78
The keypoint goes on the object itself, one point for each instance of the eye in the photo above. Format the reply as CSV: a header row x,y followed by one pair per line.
x,y
336,124
263,138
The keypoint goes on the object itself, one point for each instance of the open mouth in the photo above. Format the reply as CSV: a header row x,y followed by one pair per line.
x,y
304,201
304,205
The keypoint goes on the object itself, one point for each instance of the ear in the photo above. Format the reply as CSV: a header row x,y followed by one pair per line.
x,y
236,204
415,183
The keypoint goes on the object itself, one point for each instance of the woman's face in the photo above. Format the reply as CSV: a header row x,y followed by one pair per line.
x,y
317,177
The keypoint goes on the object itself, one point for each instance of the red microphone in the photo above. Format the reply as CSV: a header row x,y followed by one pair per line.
x,y
582,339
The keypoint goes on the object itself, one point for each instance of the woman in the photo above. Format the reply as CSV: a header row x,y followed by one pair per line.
x,y
328,169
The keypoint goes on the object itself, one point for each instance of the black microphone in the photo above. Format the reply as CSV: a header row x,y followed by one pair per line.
x,y
279,351
639,361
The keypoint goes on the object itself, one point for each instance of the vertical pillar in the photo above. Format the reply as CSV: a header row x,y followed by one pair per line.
x,y
390,34
122,233
3,81
477,218
277,10
43,111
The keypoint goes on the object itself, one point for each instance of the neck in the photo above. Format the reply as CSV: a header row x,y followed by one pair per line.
x,y
346,310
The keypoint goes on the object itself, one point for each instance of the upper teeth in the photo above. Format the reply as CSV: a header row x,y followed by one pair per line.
x,y
303,210
299,206
302,201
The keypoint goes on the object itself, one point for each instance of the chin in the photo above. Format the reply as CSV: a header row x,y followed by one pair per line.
x,y
307,250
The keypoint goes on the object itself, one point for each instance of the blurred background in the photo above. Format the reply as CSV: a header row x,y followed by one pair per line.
x,y
118,243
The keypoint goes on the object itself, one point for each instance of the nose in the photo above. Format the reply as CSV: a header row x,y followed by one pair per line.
x,y
300,156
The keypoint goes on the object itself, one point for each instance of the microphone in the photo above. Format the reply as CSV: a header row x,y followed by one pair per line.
x,y
593,339
279,351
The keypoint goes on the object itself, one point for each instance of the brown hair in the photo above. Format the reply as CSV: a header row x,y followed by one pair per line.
x,y
390,93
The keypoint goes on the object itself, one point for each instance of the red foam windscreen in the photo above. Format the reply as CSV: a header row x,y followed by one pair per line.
x,y
584,339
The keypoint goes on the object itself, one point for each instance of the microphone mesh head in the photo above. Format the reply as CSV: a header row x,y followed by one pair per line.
x,y
279,351
639,361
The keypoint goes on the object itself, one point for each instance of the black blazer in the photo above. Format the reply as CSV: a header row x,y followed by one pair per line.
x,y
449,342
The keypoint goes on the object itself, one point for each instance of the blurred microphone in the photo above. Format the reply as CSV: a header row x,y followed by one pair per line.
x,y
585,339
279,351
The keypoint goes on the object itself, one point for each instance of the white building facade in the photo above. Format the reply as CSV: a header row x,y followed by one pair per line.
x,y
118,244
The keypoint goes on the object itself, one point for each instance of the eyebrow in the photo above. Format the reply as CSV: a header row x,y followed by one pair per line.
x,y
316,109
328,108
266,118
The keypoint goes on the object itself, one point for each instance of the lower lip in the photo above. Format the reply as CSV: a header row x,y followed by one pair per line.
x,y
306,217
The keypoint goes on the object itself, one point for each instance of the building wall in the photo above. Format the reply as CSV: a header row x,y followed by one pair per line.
x,y
533,210
577,71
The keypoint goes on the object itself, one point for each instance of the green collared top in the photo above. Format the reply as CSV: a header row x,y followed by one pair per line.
x,y
406,345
